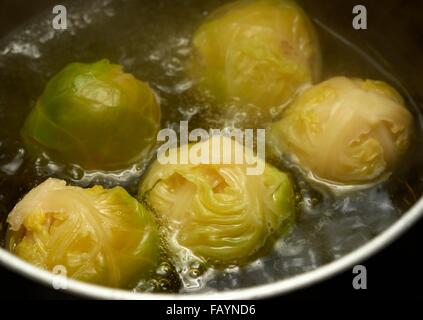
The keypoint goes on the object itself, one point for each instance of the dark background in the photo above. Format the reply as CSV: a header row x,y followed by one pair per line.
x,y
394,273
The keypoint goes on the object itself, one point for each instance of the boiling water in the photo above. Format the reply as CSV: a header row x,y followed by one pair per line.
x,y
151,39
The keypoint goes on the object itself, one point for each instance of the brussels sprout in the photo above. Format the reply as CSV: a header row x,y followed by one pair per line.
x,y
94,115
217,211
258,52
100,236
346,131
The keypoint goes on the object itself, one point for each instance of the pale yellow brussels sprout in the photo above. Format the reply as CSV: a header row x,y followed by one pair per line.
x,y
100,236
258,52
345,131
218,212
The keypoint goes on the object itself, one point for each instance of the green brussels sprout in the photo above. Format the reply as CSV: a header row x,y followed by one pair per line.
x,y
218,212
95,116
345,131
100,236
256,52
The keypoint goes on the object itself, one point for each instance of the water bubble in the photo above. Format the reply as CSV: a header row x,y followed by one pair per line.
x,y
194,273
75,172
13,166
164,269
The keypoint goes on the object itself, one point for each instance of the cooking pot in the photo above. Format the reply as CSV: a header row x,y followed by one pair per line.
x,y
394,36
